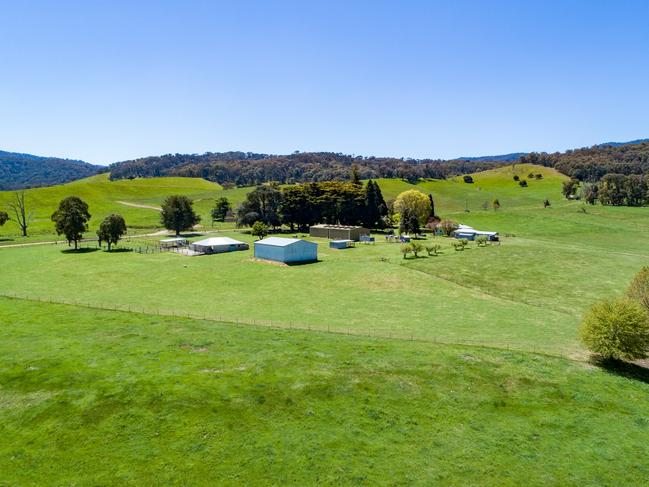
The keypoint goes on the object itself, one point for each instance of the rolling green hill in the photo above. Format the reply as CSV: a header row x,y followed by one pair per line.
x,y
138,198
123,196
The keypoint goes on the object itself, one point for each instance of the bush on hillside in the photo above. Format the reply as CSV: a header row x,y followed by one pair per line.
x,y
617,330
405,250
416,248
639,288
433,249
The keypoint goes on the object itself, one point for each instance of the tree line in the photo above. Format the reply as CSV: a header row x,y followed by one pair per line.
x,y
611,190
301,205
591,164
250,169
19,171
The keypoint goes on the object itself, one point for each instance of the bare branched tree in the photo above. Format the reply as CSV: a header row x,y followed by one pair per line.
x,y
21,216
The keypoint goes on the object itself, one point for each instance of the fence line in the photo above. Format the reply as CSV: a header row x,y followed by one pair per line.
x,y
370,333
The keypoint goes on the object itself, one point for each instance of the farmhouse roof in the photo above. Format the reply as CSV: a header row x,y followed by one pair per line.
x,y
213,241
280,241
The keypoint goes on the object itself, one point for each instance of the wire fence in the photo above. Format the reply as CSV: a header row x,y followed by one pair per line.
x,y
376,333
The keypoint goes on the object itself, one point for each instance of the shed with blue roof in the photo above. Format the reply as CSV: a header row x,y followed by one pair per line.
x,y
286,250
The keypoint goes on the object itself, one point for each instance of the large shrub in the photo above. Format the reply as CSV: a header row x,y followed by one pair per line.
x,y
617,329
639,288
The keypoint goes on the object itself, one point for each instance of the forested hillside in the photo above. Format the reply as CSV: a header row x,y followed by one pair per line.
x,y
246,168
28,171
593,163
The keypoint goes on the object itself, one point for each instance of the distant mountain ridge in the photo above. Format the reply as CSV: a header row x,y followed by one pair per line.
x,y
18,171
499,158
618,144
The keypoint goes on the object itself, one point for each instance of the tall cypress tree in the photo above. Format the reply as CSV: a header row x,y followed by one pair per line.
x,y
432,205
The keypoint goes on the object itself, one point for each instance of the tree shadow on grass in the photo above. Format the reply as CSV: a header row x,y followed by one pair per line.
x,y
623,369
6,239
84,250
118,251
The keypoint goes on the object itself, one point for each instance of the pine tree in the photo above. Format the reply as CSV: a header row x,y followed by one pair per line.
x,y
432,205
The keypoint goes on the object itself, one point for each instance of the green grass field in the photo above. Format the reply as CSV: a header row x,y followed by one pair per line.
x,y
458,369
107,398
135,199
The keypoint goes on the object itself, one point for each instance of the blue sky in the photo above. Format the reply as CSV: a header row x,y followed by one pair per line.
x,y
108,80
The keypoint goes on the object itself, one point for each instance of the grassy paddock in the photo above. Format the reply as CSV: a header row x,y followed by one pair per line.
x,y
98,397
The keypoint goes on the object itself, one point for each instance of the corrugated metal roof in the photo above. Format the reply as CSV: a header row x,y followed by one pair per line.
x,y
280,241
215,241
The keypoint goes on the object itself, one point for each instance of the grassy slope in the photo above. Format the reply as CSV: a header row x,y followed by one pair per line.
x,y
108,398
103,197
528,293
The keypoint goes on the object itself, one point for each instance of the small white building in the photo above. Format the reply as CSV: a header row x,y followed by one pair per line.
x,y
470,233
286,250
218,245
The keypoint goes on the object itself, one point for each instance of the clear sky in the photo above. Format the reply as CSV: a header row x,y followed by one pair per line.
x,y
111,80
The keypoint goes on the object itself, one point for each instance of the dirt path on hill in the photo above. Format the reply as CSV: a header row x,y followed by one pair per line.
x,y
137,205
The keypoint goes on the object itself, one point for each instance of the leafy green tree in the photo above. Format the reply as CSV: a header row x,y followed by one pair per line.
x,y
263,204
111,230
416,248
589,193
433,249
259,229
4,217
612,189
178,214
481,240
617,330
448,227
406,250
355,176
71,219
415,201
409,222
639,288
569,188
221,209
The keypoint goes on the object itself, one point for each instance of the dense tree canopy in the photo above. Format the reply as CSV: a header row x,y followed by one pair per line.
x,y
617,330
302,205
178,214
221,209
263,205
19,171
248,169
592,163
111,230
415,201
